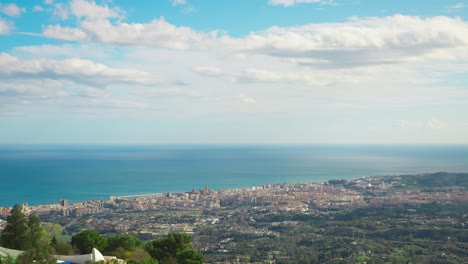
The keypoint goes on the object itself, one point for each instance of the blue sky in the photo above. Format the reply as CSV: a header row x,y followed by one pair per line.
x,y
253,71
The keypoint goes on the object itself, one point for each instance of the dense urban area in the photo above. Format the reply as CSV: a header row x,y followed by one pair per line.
x,y
382,219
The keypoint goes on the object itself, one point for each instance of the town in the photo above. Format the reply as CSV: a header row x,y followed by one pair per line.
x,y
250,224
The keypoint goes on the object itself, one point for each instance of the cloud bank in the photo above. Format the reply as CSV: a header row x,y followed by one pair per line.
x,y
74,69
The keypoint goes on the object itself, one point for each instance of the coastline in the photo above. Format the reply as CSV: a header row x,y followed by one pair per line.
x,y
63,204
45,174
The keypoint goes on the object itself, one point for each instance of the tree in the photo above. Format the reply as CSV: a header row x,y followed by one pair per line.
x,y
120,253
63,248
15,235
37,255
53,230
167,249
53,242
141,256
87,240
38,236
189,256
127,242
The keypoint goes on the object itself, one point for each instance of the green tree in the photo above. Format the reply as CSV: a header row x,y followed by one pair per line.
x,y
63,248
127,242
150,261
85,241
189,256
37,255
38,236
53,242
53,230
120,253
167,249
16,233
141,256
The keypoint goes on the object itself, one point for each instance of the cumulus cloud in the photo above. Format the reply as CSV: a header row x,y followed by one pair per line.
x,y
358,41
90,10
11,9
58,10
81,9
76,70
103,24
5,26
61,11
65,33
158,34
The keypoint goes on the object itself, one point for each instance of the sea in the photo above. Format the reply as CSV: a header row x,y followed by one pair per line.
x,y
43,174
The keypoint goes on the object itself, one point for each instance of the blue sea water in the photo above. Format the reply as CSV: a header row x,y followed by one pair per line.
x,y
40,174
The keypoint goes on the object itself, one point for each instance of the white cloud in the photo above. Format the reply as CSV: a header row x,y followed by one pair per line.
x,y
90,10
210,71
48,2
11,10
301,76
157,34
5,26
61,11
81,9
38,8
83,51
179,2
359,41
356,42
22,90
75,70
65,33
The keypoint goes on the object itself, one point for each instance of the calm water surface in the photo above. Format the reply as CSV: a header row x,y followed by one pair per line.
x,y
44,174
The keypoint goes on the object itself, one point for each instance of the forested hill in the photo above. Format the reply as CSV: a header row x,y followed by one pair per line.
x,y
438,179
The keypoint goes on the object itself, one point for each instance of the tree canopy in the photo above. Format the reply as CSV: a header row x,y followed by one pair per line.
x,y
87,240
27,234
175,247
125,241
16,234
189,256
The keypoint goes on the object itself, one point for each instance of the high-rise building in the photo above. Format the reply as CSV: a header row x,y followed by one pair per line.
x,y
63,202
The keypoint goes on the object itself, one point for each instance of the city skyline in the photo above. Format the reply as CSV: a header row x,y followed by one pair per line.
x,y
233,72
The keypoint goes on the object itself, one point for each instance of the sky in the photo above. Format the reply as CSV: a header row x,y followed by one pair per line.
x,y
233,72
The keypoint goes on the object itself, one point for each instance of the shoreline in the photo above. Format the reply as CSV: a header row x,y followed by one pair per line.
x,y
251,187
